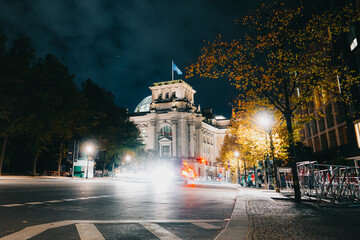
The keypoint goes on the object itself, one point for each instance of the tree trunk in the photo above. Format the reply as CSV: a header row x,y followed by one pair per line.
x,y
5,139
292,157
245,180
60,158
37,154
104,164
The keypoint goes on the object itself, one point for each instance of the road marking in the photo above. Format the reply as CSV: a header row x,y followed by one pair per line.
x,y
34,203
53,201
32,231
206,225
160,232
13,205
88,232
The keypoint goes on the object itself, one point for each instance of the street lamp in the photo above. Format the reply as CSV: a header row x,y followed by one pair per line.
x,y
266,121
89,149
236,154
128,158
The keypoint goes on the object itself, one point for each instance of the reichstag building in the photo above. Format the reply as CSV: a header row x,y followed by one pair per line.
x,y
173,128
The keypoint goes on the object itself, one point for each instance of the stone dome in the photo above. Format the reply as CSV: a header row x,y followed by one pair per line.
x,y
144,105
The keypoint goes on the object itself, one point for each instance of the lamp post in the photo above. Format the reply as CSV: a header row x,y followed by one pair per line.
x,y
236,154
88,150
266,121
127,159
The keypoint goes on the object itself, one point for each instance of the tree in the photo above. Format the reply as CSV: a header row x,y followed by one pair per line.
x,y
284,60
3,111
110,123
227,157
247,136
63,104
15,69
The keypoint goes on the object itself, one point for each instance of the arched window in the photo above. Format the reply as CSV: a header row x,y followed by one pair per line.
x,y
160,96
173,95
166,131
167,95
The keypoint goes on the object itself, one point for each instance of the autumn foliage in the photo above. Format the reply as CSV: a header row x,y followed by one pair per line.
x,y
284,59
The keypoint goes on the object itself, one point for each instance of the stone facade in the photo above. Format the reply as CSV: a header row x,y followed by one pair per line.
x,y
173,128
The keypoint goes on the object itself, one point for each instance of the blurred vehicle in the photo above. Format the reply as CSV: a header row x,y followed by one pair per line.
x,y
187,172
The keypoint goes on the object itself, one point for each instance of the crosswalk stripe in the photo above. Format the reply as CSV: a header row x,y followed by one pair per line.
x,y
150,225
206,225
88,232
160,232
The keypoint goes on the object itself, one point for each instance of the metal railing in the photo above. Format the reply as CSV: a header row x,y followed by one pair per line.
x,y
329,183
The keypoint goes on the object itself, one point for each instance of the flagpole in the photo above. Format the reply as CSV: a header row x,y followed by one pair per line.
x,y
172,70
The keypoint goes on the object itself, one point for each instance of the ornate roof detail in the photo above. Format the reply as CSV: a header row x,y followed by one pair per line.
x,y
144,105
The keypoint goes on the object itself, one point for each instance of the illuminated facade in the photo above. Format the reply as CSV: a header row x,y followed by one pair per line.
x,y
173,128
335,130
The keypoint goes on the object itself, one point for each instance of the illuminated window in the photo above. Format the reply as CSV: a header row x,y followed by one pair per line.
x,y
342,135
166,131
353,44
357,130
352,38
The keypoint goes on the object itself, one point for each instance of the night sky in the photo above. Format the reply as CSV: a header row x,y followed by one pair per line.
x,y
126,45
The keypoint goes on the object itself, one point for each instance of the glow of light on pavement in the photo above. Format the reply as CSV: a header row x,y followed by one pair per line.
x,y
161,175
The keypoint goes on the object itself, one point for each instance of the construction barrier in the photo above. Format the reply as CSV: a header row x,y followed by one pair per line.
x,y
329,183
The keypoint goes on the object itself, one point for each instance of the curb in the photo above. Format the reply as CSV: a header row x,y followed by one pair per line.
x,y
238,225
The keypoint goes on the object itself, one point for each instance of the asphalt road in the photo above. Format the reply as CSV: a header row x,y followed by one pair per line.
x,y
55,208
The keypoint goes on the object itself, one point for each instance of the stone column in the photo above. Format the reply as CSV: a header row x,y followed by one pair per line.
x,y
153,137
182,138
191,139
174,137
198,144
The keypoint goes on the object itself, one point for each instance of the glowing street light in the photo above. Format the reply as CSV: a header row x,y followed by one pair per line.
x,y
236,154
266,121
128,158
89,149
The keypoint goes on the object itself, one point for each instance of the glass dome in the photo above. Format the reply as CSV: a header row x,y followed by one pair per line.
x,y
144,105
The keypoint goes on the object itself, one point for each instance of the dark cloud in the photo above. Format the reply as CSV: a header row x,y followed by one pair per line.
x,y
125,46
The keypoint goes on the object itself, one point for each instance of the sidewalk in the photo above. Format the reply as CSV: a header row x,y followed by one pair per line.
x,y
265,214
238,226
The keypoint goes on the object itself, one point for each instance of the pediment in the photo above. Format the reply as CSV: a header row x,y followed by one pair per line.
x,y
164,140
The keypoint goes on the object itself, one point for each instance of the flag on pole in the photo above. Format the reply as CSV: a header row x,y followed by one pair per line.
x,y
175,68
